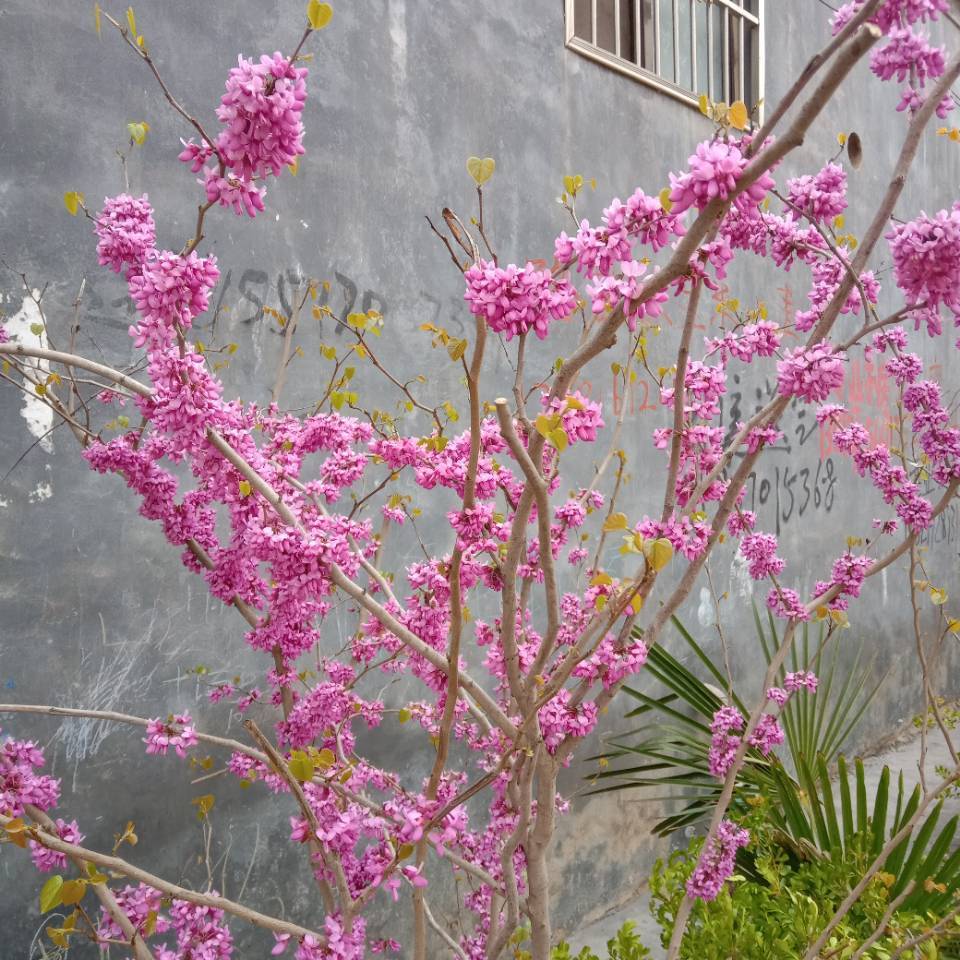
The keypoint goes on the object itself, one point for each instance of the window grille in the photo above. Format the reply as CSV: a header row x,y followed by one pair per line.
x,y
683,47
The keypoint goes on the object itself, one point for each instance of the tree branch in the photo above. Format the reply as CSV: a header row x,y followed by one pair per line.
x,y
116,864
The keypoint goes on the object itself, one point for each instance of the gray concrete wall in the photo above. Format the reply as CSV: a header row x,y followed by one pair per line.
x,y
94,608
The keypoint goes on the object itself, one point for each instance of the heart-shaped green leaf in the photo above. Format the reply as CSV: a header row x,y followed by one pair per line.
x,y
301,766
617,521
319,14
50,894
481,169
658,552
558,438
738,115
138,132
73,201
72,892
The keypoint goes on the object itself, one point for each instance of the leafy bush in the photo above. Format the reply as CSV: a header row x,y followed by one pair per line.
x,y
776,905
625,945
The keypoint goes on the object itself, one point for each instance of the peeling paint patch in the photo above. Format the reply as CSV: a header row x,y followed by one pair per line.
x,y
41,492
38,415
398,42
740,575
706,611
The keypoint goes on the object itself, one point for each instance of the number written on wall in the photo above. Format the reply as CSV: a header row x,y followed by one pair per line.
x,y
791,492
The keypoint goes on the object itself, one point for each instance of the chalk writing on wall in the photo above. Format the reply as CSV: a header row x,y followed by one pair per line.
x,y
792,492
240,298
945,529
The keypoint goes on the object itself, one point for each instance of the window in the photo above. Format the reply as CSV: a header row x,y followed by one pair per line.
x,y
683,47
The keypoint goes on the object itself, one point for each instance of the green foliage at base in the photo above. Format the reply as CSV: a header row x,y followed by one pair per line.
x,y
776,905
625,945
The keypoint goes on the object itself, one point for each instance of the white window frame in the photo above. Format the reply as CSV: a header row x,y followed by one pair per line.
x,y
652,78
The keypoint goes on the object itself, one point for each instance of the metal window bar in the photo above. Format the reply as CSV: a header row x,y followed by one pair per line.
x,y
741,53
616,27
676,41
711,93
656,38
760,71
638,31
739,8
726,55
693,44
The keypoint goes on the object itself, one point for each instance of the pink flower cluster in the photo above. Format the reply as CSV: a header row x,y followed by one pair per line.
x,y
560,719
801,680
786,604
716,862
930,420
888,476
892,13
261,112
126,231
242,196
596,250
45,859
201,932
701,447
608,292
141,904
782,239
760,339
926,259
724,743
167,288
828,273
725,737
170,289
686,536
819,197
580,417
906,54
177,732
848,575
760,549
705,385
810,374
715,168
610,665
768,734
514,300
19,781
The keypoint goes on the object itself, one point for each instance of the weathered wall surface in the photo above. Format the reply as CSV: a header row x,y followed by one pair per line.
x,y
94,608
